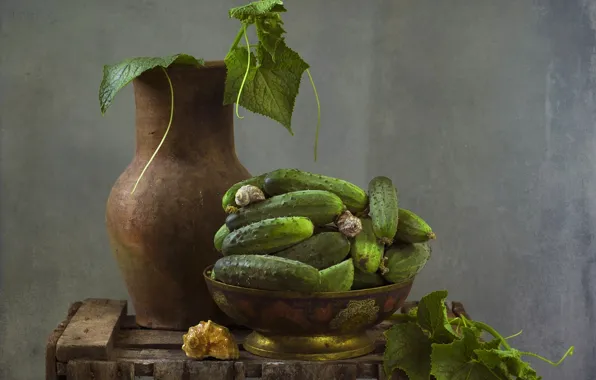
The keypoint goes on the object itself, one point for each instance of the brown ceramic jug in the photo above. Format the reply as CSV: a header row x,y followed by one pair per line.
x,y
162,234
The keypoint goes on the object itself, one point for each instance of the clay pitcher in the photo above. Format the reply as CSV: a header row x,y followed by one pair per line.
x,y
162,234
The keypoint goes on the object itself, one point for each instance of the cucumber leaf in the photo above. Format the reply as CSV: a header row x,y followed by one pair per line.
x,y
118,75
270,33
432,317
512,361
271,87
256,9
408,349
457,360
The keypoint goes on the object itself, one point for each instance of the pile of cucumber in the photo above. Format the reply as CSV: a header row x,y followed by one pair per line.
x,y
292,230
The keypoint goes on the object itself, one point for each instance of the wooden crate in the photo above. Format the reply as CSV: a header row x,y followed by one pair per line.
x,y
99,341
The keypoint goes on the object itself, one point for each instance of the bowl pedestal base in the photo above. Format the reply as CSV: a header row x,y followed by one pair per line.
x,y
320,347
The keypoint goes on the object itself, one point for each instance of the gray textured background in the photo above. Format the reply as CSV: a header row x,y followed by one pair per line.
x,y
482,112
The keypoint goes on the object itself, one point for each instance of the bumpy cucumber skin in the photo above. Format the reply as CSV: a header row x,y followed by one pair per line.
x,y
219,236
320,251
366,250
337,278
267,236
366,280
405,261
229,197
383,208
321,207
287,180
412,228
267,273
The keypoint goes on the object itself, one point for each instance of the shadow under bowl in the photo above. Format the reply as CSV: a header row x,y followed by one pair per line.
x,y
316,326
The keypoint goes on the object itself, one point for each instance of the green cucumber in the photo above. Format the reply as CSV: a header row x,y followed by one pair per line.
x,y
366,280
229,198
219,237
267,273
405,261
383,208
267,236
337,278
321,207
412,228
366,250
321,250
287,180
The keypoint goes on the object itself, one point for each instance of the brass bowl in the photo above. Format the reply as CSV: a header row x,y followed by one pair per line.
x,y
318,326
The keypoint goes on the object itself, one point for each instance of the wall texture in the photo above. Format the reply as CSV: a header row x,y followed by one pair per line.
x,y
483,112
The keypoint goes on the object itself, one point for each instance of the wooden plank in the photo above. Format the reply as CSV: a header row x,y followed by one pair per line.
x,y
458,309
160,338
89,335
148,339
170,370
216,370
309,371
240,371
51,369
99,370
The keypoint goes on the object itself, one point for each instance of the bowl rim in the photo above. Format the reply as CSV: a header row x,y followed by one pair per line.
x,y
294,294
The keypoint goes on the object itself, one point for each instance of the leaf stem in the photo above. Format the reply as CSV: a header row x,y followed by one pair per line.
x,y
165,134
238,37
491,331
568,353
246,73
312,82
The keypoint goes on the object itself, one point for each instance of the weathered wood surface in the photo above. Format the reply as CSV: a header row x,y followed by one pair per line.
x,y
91,330
51,371
99,342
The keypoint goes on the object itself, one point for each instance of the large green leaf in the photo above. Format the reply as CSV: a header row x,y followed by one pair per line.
x,y
271,87
117,76
257,9
408,349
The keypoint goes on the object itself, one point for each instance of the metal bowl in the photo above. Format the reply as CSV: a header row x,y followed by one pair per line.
x,y
317,326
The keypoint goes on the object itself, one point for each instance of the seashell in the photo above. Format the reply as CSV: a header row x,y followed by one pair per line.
x,y
208,339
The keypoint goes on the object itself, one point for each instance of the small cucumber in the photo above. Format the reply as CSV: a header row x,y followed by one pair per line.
x,y
321,207
405,261
228,200
287,180
383,208
412,228
267,236
366,280
219,237
366,250
267,273
337,278
321,250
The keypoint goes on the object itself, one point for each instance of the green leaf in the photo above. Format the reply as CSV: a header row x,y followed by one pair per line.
x,y
270,33
432,317
117,76
408,349
510,359
257,9
271,88
457,360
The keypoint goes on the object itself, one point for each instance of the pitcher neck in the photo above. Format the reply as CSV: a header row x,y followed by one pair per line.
x,y
201,125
